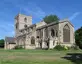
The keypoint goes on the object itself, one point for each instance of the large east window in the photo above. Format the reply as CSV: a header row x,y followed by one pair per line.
x,y
66,33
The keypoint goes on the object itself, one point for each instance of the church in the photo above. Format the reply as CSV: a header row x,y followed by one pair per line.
x,y
41,35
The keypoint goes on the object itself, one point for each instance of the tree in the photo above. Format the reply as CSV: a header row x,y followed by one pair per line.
x,y
1,43
50,18
78,37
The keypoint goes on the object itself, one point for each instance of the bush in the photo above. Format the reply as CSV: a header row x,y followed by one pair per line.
x,y
18,47
2,43
59,47
66,48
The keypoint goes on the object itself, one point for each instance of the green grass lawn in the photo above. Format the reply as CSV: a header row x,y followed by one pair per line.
x,y
40,57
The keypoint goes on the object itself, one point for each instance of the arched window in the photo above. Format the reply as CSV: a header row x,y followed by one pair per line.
x,y
66,33
16,25
52,32
25,26
25,19
40,32
32,40
46,32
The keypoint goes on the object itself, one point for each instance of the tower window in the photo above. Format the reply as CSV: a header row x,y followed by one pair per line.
x,y
25,19
16,25
25,26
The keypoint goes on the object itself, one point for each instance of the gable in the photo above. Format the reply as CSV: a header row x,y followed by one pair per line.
x,y
66,20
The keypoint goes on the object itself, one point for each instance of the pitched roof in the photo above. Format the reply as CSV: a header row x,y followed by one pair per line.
x,y
10,40
55,23
47,25
66,20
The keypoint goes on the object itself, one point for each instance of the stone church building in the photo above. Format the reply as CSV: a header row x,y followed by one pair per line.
x,y
42,35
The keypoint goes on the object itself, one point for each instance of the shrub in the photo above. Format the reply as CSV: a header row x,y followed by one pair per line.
x,y
59,47
18,47
1,43
66,48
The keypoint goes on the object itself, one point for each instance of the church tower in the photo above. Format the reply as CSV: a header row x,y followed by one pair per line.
x,y
22,21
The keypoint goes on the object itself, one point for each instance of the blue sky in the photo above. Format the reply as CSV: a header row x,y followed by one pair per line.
x,y
71,9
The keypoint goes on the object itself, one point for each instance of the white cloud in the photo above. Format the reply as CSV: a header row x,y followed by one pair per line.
x,y
7,26
74,15
12,33
34,10
6,29
10,25
30,8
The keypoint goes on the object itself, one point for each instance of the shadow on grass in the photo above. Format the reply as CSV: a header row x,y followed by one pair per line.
x,y
76,58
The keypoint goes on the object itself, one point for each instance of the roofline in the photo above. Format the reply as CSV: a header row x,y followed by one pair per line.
x,y
22,14
66,20
47,25
60,21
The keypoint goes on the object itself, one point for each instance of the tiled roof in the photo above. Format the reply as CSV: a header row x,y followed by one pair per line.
x,y
11,40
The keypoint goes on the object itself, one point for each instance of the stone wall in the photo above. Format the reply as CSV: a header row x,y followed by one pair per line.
x,y
52,32
61,26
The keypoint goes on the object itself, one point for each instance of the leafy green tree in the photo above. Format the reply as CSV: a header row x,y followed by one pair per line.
x,y
78,37
1,43
50,18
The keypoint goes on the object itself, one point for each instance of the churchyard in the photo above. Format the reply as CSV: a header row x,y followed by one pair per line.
x,y
40,57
